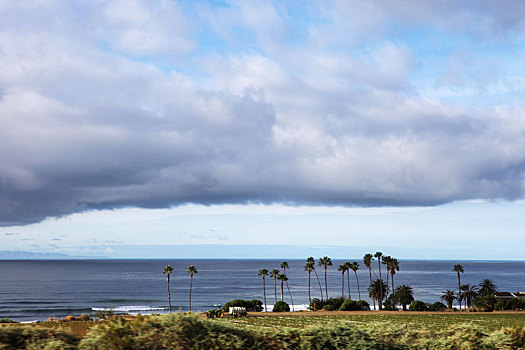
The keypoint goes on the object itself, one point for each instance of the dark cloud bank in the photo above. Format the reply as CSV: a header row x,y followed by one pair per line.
x,y
91,127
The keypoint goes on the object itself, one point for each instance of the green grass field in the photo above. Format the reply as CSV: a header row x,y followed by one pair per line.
x,y
486,321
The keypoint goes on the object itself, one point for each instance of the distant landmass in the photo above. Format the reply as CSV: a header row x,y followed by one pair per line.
x,y
20,254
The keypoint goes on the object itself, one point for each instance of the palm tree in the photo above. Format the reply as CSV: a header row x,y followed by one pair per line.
x,y
285,265
325,261
274,275
264,273
347,265
312,261
404,295
449,296
377,291
469,293
309,267
191,270
394,266
387,262
487,287
367,261
167,270
343,269
378,255
458,268
282,277
354,267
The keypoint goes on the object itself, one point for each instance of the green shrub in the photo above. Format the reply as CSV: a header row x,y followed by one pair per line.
x,y
329,308
318,304
437,306
16,337
249,305
351,305
281,306
390,303
509,304
417,305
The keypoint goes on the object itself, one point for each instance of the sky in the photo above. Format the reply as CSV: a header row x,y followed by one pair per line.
x,y
132,125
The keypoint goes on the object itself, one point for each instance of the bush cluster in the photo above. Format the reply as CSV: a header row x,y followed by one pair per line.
x,y
510,304
249,305
281,306
352,305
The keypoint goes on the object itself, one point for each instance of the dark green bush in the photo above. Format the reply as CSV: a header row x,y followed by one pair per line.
x,y
14,337
437,306
329,308
390,303
509,304
351,305
417,305
363,305
249,305
281,306
318,304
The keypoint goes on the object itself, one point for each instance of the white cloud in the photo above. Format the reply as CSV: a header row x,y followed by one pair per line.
x,y
116,103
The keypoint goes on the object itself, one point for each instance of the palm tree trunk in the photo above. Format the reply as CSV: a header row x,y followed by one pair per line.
x,y
343,285
387,282
380,299
169,295
370,272
325,283
348,281
275,287
191,285
282,291
264,291
459,290
309,296
392,283
290,293
358,290
320,287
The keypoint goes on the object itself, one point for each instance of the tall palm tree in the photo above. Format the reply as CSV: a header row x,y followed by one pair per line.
x,y
274,275
309,267
167,270
312,260
394,266
378,256
377,291
449,296
458,268
282,277
487,287
191,270
354,266
404,295
367,261
285,265
387,262
264,273
343,269
347,265
325,261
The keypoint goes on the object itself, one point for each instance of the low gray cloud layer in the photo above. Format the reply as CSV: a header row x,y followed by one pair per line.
x,y
109,104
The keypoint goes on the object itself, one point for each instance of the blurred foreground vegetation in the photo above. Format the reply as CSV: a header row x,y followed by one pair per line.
x,y
374,331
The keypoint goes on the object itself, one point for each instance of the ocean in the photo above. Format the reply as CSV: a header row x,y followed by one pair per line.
x,y
33,290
